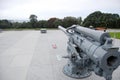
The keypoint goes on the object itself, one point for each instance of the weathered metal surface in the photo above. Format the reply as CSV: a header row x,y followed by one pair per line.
x,y
90,50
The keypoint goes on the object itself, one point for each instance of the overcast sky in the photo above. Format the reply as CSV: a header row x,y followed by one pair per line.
x,y
45,9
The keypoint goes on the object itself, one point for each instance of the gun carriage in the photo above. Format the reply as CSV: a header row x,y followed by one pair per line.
x,y
90,50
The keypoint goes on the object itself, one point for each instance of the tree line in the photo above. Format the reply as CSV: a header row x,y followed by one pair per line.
x,y
95,19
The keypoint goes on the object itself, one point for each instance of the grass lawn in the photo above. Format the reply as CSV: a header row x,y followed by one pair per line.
x,y
115,35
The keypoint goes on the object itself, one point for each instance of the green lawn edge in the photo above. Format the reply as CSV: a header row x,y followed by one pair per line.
x,y
115,34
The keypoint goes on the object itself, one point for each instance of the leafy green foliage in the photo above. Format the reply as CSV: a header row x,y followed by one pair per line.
x,y
33,20
50,23
57,22
99,19
5,24
79,20
115,34
95,19
42,24
69,21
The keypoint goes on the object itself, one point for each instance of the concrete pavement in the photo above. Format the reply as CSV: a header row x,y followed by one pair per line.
x,y
30,55
16,51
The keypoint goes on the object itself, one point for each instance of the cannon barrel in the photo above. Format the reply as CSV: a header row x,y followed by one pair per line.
x,y
99,36
63,29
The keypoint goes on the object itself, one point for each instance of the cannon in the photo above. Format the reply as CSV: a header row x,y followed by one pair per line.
x,y
89,50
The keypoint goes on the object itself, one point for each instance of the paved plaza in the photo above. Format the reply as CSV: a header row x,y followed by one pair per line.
x,y
30,55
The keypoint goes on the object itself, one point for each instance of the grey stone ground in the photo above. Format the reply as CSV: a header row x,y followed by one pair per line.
x,y
29,55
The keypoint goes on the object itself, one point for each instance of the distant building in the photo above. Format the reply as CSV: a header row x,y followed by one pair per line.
x,y
101,28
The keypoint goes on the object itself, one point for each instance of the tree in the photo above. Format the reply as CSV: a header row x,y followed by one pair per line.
x,y
50,23
99,19
57,22
118,23
33,20
79,20
92,19
4,24
16,25
42,24
69,21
